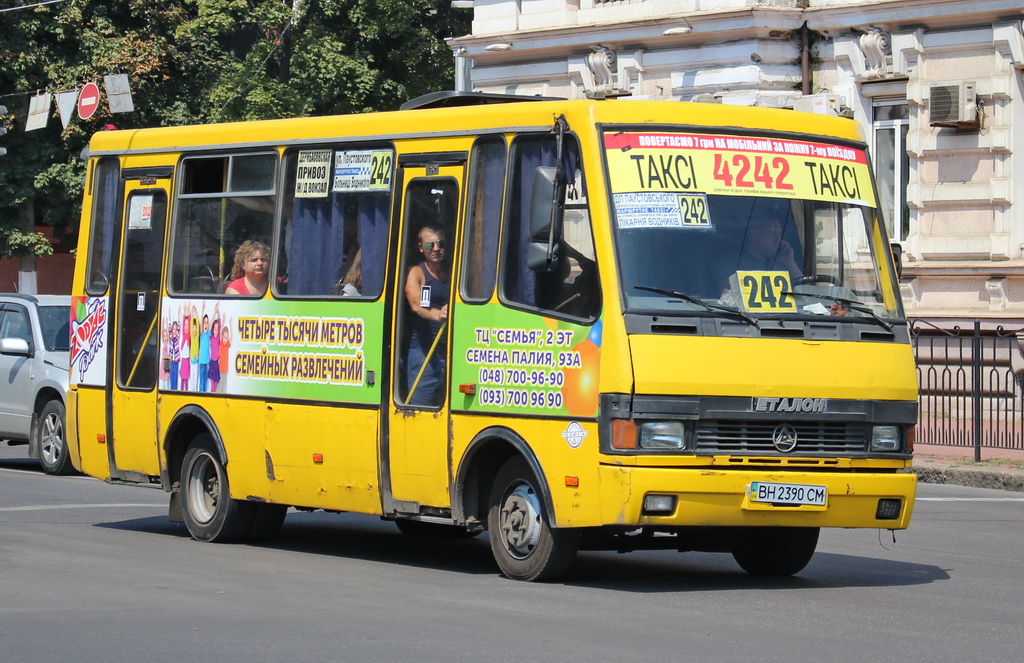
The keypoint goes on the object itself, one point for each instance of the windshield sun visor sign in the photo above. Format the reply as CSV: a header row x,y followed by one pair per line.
x,y
691,165
662,209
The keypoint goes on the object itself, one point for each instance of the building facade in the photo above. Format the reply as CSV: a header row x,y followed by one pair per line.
x,y
937,86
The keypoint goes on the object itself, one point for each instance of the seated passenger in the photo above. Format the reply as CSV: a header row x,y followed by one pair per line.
x,y
251,269
353,281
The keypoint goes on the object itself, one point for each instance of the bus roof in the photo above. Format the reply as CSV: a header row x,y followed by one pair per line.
x,y
470,119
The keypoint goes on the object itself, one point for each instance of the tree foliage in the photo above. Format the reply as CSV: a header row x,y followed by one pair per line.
x,y
198,61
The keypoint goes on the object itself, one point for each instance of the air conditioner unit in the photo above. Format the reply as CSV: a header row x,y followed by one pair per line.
x,y
953,104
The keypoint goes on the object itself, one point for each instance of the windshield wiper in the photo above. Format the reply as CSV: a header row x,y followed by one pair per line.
x,y
848,303
700,302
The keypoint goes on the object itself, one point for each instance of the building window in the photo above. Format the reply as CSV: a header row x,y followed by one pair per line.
x,y
891,122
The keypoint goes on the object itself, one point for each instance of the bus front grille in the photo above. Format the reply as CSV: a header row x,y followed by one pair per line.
x,y
757,437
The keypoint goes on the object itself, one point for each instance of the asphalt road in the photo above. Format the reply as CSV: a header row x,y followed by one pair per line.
x,y
94,572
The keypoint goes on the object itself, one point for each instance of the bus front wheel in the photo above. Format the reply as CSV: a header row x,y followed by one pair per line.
x,y
775,551
523,543
209,512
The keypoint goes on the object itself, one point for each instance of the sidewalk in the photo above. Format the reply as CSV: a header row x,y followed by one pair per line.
x,y
1001,473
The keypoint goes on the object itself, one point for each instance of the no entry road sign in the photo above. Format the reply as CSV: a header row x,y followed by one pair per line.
x,y
88,101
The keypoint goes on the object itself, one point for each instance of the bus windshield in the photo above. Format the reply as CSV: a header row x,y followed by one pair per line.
x,y
759,226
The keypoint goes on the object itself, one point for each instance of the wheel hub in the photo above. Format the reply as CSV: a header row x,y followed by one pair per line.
x,y
520,521
52,439
204,488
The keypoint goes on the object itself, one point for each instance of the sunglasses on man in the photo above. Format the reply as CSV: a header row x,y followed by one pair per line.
x,y
439,245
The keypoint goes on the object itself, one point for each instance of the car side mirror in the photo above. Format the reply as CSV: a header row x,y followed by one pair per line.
x,y
17,347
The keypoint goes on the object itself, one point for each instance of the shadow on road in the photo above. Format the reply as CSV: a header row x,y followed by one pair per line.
x,y
368,538
27,464
688,572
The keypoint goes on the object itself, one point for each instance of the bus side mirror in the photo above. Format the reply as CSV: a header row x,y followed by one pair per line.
x,y
897,258
542,198
542,253
537,257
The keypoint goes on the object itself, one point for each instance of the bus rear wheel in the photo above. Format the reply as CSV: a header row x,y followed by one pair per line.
x,y
206,505
775,551
523,543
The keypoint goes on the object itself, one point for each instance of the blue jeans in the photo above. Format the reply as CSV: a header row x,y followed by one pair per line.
x,y
430,390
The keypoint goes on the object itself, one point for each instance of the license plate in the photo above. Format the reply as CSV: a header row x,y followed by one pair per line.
x,y
788,493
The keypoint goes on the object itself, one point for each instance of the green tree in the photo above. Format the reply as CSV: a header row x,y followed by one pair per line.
x,y
197,61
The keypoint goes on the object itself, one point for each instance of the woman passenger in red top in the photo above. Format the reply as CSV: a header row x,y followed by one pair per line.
x,y
249,274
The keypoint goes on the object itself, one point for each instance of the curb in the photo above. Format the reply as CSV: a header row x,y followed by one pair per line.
x,y
973,477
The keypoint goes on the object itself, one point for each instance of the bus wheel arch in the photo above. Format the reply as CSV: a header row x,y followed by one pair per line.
x,y
500,483
188,423
252,521
484,457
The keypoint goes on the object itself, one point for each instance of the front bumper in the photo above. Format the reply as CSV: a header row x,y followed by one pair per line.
x,y
711,497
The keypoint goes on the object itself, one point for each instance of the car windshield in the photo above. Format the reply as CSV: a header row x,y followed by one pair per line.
x,y
754,225
54,322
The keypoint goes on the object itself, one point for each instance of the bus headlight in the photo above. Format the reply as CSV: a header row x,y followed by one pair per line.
x,y
885,438
662,435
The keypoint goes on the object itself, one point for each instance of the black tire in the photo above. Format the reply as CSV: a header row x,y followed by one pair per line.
x,y
417,529
51,440
775,551
206,505
266,521
523,543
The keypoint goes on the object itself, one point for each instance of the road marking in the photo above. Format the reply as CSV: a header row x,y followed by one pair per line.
x,y
38,473
970,499
55,507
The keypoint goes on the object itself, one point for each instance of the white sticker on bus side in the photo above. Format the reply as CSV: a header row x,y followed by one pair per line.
x,y
574,434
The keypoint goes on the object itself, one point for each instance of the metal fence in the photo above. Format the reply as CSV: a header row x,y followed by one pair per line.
x,y
972,385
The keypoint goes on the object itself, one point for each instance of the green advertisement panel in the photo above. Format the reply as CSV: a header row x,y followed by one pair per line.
x,y
329,351
517,362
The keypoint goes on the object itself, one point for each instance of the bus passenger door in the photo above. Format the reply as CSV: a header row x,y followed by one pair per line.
x,y
133,443
415,454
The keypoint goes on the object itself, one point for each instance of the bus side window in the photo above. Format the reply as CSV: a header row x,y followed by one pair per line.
x,y
104,225
483,222
333,238
572,288
222,201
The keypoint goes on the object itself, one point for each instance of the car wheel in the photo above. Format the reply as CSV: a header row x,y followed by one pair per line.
x,y
52,444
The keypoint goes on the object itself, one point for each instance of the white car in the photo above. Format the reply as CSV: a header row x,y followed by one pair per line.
x,y
34,342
